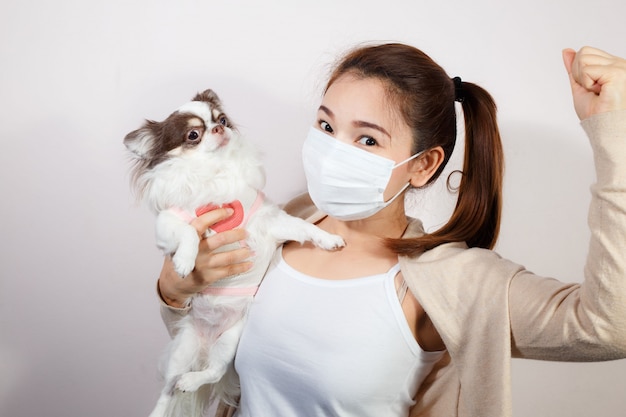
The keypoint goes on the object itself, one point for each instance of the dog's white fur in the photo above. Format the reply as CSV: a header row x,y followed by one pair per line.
x,y
177,168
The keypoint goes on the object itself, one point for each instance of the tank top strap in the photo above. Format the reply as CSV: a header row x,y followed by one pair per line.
x,y
393,271
403,287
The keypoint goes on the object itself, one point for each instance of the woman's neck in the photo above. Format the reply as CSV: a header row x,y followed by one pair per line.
x,y
391,222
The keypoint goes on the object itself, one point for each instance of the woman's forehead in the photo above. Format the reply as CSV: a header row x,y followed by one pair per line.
x,y
362,98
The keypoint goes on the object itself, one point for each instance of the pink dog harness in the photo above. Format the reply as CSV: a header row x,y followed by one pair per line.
x,y
240,217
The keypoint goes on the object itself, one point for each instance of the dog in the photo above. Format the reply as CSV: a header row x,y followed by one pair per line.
x,y
192,162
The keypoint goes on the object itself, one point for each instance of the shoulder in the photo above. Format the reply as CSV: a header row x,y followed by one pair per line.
x,y
463,290
455,265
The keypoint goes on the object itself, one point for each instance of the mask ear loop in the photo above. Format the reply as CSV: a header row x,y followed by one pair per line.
x,y
397,194
408,159
408,184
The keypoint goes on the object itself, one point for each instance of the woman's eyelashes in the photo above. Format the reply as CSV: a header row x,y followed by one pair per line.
x,y
361,140
325,126
367,141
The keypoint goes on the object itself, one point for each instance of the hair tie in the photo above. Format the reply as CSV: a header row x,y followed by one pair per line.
x,y
459,93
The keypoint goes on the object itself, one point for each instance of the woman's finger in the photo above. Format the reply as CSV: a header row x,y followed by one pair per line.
x,y
593,73
213,266
208,219
217,240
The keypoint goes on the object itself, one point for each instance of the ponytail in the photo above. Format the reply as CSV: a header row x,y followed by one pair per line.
x,y
476,217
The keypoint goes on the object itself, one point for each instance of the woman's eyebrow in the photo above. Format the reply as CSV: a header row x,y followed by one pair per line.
x,y
357,123
326,110
361,123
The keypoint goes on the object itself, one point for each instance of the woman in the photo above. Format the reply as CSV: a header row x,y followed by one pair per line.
x,y
334,333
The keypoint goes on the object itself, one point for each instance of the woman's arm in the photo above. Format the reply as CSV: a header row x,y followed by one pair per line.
x,y
550,320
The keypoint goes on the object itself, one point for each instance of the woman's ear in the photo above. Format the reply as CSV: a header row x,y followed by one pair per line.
x,y
425,166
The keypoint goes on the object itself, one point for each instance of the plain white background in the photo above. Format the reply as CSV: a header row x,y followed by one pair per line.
x,y
80,333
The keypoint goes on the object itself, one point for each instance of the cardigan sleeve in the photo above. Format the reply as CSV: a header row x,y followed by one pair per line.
x,y
171,315
583,322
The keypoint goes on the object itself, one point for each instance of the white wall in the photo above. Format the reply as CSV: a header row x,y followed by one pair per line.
x,y
80,331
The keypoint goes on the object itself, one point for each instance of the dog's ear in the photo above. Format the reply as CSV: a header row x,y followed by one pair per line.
x,y
208,96
141,141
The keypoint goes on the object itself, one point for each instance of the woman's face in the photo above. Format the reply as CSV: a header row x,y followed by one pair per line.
x,y
358,111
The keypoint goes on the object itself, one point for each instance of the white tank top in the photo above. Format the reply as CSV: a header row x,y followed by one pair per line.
x,y
318,347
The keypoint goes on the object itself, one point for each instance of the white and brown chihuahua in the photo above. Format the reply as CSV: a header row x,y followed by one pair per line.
x,y
191,162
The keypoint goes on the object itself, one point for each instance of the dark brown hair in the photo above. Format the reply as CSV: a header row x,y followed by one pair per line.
x,y
425,96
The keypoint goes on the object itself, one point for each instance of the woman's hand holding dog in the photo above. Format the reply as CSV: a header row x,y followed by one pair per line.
x,y
210,266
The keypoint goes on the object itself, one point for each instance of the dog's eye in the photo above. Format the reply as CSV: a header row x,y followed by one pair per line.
x,y
193,135
223,121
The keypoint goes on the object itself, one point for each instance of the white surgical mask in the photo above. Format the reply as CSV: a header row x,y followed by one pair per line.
x,y
344,181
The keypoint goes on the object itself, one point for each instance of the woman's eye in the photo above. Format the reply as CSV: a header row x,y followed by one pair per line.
x,y
368,141
326,127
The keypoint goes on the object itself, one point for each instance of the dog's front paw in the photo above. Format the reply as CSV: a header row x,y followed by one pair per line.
x,y
329,241
183,264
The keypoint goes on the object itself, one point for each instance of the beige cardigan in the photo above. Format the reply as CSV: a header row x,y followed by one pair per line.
x,y
488,309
